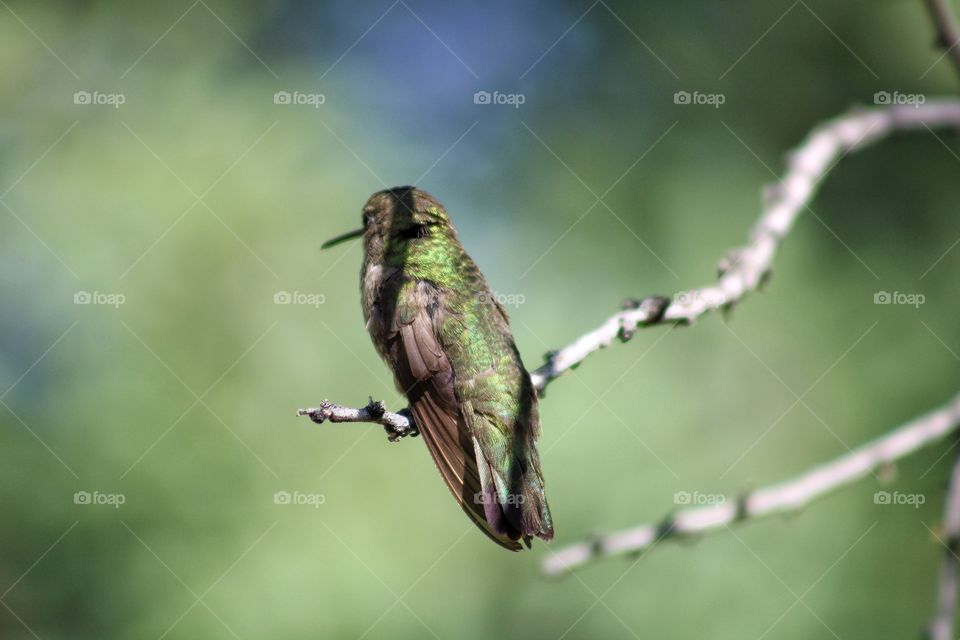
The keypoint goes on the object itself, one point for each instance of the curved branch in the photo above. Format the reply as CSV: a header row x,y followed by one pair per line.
x,y
785,497
746,268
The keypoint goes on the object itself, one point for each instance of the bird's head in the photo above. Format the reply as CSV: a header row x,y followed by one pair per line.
x,y
393,217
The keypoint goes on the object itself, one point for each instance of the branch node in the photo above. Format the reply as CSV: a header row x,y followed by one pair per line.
x,y
743,507
666,528
376,408
653,309
656,309
595,541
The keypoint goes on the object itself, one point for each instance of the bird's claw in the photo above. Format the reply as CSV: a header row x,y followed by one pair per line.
x,y
396,433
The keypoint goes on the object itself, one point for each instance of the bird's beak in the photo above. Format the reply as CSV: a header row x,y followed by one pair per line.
x,y
356,233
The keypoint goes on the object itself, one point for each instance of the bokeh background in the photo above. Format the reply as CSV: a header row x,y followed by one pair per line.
x,y
199,199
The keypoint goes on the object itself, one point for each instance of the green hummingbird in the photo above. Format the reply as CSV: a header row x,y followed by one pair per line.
x,y
436,323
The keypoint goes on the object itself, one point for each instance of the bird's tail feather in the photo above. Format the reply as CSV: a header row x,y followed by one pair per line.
x,y
517,509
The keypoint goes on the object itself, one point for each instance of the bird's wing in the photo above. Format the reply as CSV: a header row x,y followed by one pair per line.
x,y
500,407
426,376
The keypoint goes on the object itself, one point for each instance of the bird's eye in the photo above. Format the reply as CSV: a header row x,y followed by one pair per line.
x,y
367,216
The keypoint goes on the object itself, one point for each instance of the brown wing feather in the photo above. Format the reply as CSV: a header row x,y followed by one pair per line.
x,y
426,376
437,429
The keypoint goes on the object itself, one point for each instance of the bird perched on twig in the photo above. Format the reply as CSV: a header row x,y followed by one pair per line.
x,y
440,328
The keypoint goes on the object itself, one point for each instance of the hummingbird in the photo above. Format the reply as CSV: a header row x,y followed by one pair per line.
x,y
436,323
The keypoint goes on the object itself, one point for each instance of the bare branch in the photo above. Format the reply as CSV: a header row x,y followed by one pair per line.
x,y
746,268
786,497
941,627
948,31
397,425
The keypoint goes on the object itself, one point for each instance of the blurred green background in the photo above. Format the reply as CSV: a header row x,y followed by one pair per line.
x,y
199,199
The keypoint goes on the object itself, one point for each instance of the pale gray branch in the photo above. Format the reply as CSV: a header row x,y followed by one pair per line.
x,y
397,425
746,268
786,497
743,271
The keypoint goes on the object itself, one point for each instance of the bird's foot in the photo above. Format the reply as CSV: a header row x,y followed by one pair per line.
x,y
396,432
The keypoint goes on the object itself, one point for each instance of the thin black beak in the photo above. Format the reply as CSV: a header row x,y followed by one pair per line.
x,y
350,235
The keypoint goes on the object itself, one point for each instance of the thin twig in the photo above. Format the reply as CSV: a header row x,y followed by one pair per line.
x,y
941,627
948,31
746,268
786,497
397,425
